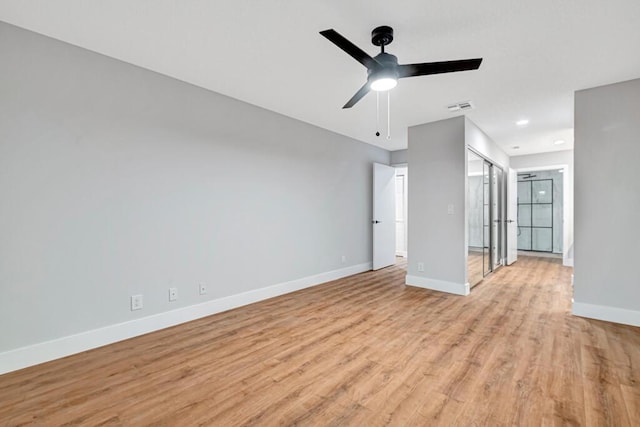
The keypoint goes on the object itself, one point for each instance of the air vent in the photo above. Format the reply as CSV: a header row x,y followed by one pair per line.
x,y
461,106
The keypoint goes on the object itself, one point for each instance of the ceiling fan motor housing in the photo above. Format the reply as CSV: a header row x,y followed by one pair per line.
x,y
382,36
387,68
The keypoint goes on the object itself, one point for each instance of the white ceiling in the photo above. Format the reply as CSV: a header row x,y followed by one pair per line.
x,y
269,53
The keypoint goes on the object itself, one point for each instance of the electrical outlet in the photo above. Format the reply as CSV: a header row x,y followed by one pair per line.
x,y
136,302
173,294
421,266
202,288
344,259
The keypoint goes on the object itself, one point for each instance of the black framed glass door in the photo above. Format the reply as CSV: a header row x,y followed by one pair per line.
x,y
535,215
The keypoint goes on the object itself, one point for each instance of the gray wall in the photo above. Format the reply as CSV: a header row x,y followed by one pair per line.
x,y
478,140
399,157
438,237
607,196
116,181
437,158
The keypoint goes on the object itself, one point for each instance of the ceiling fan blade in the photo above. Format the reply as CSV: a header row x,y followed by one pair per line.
x,y
354,51
358,96
411,70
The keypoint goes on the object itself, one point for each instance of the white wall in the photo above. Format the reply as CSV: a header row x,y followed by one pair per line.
x,y
607,202
548,161
115,181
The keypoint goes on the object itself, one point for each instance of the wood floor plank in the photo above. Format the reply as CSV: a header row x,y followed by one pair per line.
x,y
631,398
364,350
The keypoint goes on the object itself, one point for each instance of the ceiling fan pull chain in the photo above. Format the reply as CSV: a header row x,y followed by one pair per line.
x,y
377,113
388,114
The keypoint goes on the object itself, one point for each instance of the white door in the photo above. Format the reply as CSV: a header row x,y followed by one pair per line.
x,y
384,216
512,217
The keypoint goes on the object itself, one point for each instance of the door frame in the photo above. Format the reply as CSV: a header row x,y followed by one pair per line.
x,y
511,238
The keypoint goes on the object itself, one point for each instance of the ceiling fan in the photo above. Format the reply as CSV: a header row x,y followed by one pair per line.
x,y
383,70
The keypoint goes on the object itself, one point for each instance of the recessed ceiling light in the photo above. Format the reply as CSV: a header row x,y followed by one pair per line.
x,y
516,147
559,141
522,122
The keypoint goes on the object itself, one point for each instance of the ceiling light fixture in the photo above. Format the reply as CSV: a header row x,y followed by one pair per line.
x,y
383,83
383,70
559,141
522,122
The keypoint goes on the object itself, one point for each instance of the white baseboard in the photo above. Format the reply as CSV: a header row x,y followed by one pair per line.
x,y
568,262
23,357
403,254
607,313
438,285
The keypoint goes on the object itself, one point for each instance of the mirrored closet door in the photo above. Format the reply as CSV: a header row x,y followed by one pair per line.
x,y
485,217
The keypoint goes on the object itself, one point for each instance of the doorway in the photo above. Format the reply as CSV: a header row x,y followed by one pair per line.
x,y
383,221
402,186
540,212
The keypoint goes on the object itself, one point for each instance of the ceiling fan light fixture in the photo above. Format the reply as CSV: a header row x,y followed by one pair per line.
x,y
383,70
384,83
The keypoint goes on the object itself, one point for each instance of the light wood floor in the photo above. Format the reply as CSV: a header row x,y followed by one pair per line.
x,y
475,267
366,350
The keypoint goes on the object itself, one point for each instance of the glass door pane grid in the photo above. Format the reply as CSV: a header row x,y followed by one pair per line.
x,y
535,200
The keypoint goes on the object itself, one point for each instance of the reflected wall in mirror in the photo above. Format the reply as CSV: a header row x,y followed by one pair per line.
x,y
486,217
485,201
477,210
496,217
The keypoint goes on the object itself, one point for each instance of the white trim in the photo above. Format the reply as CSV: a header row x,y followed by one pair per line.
x,y
23,357
607,313
438,285
403,254
568,262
